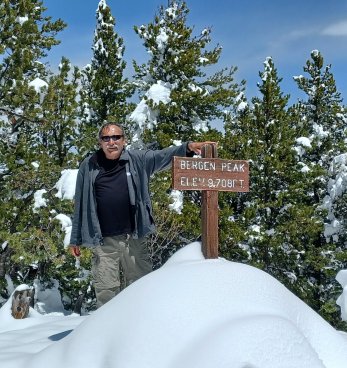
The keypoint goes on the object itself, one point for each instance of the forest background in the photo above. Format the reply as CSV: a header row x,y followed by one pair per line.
x,y
292,222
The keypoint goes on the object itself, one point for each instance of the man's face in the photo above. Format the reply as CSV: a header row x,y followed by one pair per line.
x,y
114,147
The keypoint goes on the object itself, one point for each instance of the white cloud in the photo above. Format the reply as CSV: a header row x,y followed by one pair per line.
x,y
336,29
301,33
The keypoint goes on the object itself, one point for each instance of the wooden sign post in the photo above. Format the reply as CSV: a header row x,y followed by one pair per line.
x,y
209,213
210,175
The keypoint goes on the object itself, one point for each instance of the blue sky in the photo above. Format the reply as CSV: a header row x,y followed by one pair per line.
x,y
248,30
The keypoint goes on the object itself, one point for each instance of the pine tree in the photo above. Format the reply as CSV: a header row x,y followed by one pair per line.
x,y
25,36
321,138
31,155
104,91
58,128
255,225
176,67
31,231
178,103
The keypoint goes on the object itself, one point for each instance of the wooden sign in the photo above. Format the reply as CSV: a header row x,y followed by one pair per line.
x,y
210,175
191,173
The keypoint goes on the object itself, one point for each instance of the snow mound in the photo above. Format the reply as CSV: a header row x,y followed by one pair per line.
x,y
200,313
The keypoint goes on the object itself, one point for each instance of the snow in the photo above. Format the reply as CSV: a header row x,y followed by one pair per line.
x,y
22,287
319,131
66,225
191,312
99,46
143,115
172,12
39,201
268,68
301,143
48,301
341,277
160,92
66,184
337,186
161,40
22,20
304,167
177,198
304,141
38,84
242,106
241,102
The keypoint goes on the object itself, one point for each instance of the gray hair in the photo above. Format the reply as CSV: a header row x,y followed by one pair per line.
x,y
106,125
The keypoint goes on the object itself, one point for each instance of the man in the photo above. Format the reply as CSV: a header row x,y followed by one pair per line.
x,y
113,210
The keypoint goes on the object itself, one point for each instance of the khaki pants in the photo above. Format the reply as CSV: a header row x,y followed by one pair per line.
x,y
122,250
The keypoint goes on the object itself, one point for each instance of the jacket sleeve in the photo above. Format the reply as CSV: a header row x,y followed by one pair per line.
x,y
158,160
76,238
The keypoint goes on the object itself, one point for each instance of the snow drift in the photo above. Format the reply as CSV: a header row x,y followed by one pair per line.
x,y
190,313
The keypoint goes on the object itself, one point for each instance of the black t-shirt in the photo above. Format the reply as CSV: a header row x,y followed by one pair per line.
x,y
112,197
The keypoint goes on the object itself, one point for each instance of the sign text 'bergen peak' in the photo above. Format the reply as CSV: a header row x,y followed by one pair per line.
x,y
191,173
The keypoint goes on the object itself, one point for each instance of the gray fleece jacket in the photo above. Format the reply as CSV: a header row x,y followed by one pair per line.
x,y
140,165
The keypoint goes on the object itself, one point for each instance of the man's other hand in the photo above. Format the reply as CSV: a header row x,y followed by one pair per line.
x,y
75,250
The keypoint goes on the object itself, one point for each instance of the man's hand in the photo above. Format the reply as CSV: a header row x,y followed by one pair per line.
x,y
75,250
196,146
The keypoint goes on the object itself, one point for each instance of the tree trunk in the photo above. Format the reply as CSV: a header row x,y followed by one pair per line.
x,y
21,302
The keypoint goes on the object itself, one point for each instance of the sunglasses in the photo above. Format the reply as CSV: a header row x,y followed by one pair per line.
x,y
107,138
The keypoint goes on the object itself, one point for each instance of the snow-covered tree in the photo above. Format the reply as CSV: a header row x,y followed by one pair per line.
x,y
263,134
323,121
321,137
279,225
335,227
179,99
33,140
25,37
104,89
60,113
